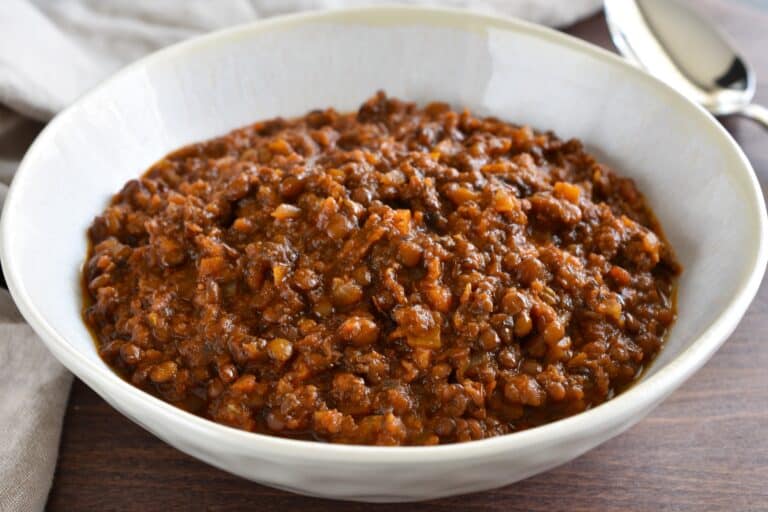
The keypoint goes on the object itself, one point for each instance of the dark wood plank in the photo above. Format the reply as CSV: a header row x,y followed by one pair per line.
x,y
705,448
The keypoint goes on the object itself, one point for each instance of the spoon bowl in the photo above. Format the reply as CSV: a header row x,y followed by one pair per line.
x,y
675,44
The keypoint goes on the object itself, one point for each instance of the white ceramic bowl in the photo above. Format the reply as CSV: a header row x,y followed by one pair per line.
x,y
695,177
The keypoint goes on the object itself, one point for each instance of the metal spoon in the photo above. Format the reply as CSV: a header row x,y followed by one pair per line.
x,y
680,47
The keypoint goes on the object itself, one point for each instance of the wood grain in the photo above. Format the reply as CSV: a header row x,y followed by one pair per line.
x,y
705,448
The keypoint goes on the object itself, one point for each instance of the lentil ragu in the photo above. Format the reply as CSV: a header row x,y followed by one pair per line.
x,y
394,276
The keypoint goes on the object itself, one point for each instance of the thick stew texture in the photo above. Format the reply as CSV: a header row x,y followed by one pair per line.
x,y
394,276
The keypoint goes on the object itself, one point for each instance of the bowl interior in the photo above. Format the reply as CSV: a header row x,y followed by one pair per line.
x,y
692,174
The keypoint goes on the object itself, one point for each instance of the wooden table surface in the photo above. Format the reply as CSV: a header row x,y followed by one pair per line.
x,y
705,448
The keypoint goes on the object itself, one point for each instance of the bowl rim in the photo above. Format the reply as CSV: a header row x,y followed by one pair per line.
x,y
631,403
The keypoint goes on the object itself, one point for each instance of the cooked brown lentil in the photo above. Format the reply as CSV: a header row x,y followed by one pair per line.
x,y
395,276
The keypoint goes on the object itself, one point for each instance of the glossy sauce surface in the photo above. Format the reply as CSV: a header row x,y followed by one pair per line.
x,y
394,276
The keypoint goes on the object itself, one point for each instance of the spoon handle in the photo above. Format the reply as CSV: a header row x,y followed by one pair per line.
x,y
755,112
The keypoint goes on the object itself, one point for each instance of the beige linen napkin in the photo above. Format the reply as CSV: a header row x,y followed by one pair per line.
x,y
51,51
34,392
